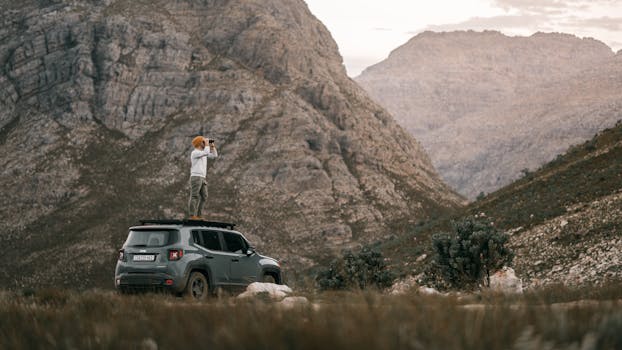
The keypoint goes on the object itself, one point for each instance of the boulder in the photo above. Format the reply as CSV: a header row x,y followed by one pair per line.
x,y
505,281
292,302
428,291
274,291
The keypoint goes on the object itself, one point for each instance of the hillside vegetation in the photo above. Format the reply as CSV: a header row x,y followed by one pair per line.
x,y
565,219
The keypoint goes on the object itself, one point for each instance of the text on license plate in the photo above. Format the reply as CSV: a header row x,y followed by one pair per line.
x,y
144,257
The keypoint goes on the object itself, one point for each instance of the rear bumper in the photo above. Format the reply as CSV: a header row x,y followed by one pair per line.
x,y
129,282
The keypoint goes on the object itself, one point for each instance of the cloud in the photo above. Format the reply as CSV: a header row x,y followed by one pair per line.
x,y
550,7
613,24
533,6
380,29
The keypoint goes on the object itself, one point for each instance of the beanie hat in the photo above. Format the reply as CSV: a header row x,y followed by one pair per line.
x,y
196,142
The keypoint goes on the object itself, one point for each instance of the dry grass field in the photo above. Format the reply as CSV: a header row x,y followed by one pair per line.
x,y
555,318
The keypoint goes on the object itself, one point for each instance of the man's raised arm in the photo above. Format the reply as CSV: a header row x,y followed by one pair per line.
x,y
207,152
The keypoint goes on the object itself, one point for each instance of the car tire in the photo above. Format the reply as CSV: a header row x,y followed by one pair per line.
x,y
268,279
197,287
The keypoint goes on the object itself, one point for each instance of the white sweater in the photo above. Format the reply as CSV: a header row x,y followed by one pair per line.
x,y
199,161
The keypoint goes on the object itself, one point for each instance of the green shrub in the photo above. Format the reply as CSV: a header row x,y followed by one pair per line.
x,y
361,270
470,252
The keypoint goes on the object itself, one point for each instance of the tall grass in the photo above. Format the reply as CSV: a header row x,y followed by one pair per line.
x,y
103,320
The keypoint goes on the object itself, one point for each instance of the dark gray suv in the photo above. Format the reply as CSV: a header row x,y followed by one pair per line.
x,y
192,257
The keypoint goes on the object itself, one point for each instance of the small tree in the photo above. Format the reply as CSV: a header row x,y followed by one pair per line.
x,y
361,270
470,252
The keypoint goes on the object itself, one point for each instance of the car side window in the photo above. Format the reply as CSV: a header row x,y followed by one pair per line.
x,y
211,240
234,243
195,238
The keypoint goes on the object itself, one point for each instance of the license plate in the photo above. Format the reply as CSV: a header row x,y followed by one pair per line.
x,y
144,257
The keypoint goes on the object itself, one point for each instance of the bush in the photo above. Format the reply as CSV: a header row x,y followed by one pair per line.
x,y
471,252
361,270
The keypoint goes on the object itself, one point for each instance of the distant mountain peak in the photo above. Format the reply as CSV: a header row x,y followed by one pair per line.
x,y
486,105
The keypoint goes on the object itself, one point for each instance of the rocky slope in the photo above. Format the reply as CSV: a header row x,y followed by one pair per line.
x,y
564,220
567,226
99,101
486,106
580,247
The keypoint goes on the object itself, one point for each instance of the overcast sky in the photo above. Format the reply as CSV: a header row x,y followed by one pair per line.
x,y
367,30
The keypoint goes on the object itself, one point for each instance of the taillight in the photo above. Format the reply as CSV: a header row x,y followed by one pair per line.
x,y
121,254
175,254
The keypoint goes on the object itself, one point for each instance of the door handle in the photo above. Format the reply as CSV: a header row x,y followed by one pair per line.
x,y
235,259
208,257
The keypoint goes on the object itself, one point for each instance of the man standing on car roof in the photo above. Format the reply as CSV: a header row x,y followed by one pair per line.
x,y
203,148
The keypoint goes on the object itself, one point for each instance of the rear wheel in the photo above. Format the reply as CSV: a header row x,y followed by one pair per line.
x,y
197,287
268,279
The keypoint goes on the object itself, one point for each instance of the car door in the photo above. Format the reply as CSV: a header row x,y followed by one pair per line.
x,y
243,269
210,247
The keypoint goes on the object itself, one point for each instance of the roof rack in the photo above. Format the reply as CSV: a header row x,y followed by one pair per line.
x,y
188,222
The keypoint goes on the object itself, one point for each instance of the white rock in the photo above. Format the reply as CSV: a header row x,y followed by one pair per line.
x,y
505,281
428,291
292,302
421,257
275,291
148,344
563,224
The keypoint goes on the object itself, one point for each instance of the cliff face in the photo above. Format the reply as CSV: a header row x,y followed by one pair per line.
x,y
486,106
99,101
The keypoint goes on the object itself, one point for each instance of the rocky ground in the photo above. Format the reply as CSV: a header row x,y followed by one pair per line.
x,y
581,247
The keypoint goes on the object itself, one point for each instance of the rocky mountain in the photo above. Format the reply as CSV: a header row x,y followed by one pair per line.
x,y
564,220
487,106
99,101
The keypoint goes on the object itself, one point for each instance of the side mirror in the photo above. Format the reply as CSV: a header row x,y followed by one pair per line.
x,y
250,251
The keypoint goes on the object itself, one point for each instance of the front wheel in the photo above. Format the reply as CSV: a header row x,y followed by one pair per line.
x,y
197,287
268,279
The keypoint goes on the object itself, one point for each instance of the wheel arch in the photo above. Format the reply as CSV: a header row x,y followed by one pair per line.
x,y
204,269
276,273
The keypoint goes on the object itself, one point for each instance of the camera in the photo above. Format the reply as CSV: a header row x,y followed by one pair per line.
x,y
210,141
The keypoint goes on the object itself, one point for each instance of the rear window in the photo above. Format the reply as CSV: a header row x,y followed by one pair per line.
x,y
151,238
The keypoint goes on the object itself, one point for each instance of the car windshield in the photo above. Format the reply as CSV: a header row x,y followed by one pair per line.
x,y
151,238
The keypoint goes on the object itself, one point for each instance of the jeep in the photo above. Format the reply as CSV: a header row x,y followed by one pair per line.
x,y
190,257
